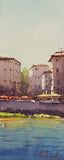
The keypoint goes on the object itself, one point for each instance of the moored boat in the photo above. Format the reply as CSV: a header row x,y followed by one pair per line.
x,y
53,101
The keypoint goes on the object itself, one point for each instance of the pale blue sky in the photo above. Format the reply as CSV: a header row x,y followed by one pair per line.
x,y
31,30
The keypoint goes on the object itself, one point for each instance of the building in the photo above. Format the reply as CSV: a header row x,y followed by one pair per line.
x,y
9,75
57,67
46,81
35,78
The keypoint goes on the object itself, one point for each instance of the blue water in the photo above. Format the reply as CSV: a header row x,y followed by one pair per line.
x,y
32,139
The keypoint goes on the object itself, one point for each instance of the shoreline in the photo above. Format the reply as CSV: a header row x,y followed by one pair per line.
x,y
28,108
16,116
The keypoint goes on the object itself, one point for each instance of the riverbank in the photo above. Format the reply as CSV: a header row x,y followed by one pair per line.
x,y
31,108
4,116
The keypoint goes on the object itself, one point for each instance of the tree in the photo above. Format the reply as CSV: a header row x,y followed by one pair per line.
x,y
24,81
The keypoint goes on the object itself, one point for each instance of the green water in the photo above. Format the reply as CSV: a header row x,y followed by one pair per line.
x,y
32,139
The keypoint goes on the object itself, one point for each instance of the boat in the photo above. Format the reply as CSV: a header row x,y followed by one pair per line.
x,y
33,101
53,101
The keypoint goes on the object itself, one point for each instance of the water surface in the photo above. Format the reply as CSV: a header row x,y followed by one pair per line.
x,y
32,139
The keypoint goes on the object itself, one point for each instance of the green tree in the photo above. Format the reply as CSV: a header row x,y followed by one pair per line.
x,y
24,81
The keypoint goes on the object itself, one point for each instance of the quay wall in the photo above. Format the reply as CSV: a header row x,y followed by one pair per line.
x,y
30,108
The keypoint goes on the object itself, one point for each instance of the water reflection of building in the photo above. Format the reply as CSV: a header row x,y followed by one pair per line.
x,y
4,125
57,67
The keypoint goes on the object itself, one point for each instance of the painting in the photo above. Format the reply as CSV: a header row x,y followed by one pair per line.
x,y
31,80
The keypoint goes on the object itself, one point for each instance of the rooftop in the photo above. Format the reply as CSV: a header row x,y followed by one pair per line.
x,y
49,71
8,58
39,65
57,54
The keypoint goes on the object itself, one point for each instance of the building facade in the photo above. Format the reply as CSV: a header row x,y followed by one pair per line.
x,y
35,78
46,81
57,68
9,74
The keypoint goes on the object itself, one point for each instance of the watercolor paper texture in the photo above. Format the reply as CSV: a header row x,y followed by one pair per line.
x,y
32,139
30,31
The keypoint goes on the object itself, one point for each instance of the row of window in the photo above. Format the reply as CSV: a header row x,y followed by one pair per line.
x,y
58,60
11,62
5,69
36,69
5,81
11,72
46,86
39,77
60,90
37,86
10,80
36,77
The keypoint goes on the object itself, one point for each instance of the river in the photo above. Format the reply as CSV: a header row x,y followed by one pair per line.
x,y
32,139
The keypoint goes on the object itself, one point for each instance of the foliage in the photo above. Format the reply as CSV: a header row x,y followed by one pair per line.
x,y
10,115
45,116
24,81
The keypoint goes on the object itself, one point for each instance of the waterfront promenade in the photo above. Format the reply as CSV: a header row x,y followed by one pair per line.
x,y
30,108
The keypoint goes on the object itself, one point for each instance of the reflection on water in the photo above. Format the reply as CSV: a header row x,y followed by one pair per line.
x,y
4,125
32,139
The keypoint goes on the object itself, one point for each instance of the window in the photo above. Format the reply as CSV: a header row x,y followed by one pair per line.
x,y
58,81
4,80
38,77
4,61
10,82
38,86
35,86
36,69
5,69
46,75
18,75
57,90
61,90
57,70
50,80
4,87
10,71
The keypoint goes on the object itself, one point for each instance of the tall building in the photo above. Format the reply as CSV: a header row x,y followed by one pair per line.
x,y
46,81
57,67
35,78
9,74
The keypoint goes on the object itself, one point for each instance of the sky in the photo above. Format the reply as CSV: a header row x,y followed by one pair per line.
x,y
31,30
